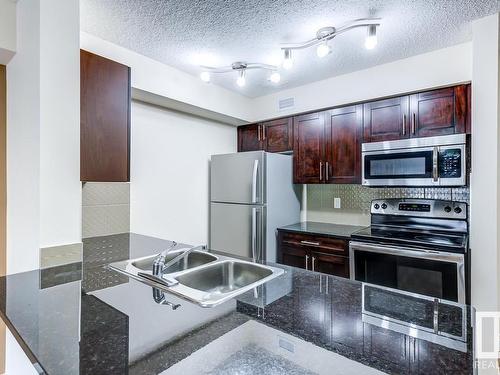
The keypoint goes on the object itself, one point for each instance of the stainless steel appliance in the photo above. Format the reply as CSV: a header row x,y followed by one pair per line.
x,y
416,245
251,194
433,161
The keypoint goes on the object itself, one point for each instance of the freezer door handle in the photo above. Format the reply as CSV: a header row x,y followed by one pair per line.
x,y
254,180
254,233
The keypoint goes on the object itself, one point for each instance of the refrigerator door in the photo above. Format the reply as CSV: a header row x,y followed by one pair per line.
x,y
238,229
238,178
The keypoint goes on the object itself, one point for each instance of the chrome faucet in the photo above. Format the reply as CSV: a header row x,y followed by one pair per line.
x,y
159,262
160,265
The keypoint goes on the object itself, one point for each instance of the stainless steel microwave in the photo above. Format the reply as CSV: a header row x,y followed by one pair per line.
x,y
432,161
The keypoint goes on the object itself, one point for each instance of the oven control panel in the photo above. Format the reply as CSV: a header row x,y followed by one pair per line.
x,y
420,207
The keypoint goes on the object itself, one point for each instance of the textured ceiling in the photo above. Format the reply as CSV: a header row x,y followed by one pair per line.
x,y
186,33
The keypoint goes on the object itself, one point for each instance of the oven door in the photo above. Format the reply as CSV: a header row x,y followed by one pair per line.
x,y
412,166
432,273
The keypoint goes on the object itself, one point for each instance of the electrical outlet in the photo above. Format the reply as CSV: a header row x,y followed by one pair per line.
x,y
336,202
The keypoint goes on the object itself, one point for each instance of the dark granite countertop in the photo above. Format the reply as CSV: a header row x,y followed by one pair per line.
x,y
312,227
87,319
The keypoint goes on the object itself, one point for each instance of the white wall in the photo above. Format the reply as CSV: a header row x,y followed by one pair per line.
x,y
152,76
43,183
437,68
485,178
23,142
7,30
170,170
60,187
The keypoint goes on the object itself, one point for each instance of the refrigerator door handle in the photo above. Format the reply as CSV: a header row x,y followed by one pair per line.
x,y
254,180
254,233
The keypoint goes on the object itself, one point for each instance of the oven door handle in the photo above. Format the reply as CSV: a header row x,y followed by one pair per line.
x,y
406,252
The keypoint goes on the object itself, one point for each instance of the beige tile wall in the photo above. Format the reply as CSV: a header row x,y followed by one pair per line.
x,y
106,208
356,199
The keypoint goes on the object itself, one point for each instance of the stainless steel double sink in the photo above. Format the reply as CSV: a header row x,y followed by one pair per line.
x,y
203,278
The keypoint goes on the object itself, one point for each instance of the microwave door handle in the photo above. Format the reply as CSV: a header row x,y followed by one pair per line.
x,y
255,175
435,174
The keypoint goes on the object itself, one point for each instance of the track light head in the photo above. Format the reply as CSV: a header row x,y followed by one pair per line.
x,y
371,37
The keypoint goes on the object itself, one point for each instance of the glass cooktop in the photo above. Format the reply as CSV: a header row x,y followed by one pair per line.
x,y
455,242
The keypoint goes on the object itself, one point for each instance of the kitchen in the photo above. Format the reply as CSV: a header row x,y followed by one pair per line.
x,y
358,224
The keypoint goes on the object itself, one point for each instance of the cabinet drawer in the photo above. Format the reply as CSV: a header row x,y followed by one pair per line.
x,y
324,244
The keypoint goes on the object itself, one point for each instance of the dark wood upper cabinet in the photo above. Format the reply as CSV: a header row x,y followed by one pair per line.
x,y
277,135
343,145
439,112
425,114
309,148
386,120
249,137
270,136
104,119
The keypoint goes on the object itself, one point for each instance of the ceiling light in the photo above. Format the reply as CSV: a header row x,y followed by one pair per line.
x,y
240,67
371,38
323,49
275,77
287,61
326,34
205,76
241,80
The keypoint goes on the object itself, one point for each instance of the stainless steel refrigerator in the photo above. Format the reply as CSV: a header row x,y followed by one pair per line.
x,y
251,194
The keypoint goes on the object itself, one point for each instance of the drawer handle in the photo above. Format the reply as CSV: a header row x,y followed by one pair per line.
x,y
307,261
310,243
313,263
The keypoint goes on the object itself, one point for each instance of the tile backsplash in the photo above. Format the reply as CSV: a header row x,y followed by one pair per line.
x,y
355,200
106,208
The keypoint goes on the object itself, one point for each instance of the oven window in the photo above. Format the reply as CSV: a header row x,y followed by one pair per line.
x,y
399,165
429,277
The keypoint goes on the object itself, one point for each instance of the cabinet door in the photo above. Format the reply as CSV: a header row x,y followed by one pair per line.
x,y
295,257
391,346
104,119
330,264
429,358
249,137
439,112
386,120
343,145
277,135
308,148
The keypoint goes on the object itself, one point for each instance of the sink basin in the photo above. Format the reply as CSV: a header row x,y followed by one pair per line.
x,y
203,278
194,259
224,277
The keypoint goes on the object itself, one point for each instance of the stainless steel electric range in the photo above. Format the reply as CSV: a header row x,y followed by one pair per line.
x,y
416,245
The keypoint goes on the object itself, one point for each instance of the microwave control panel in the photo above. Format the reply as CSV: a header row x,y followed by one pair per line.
x,y
450,163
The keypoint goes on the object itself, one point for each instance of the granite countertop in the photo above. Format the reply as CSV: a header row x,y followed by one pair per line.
x,y
87,319
312,227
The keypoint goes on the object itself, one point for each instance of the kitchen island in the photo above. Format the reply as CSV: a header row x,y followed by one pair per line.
x,y
87,319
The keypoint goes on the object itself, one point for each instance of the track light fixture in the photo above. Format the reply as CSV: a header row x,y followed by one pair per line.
x,y
326,34
241,68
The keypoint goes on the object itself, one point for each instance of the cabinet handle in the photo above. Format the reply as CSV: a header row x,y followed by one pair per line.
x,y
259,136
310,243
307,262
263,132
320,170
413,125
313,262
327,167
404,124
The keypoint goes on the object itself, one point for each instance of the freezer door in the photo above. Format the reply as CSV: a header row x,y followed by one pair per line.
x,y
238,178
238,229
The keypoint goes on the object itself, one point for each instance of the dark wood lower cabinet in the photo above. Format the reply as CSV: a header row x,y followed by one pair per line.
x,y
294,257
331,264
315,253
393,346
